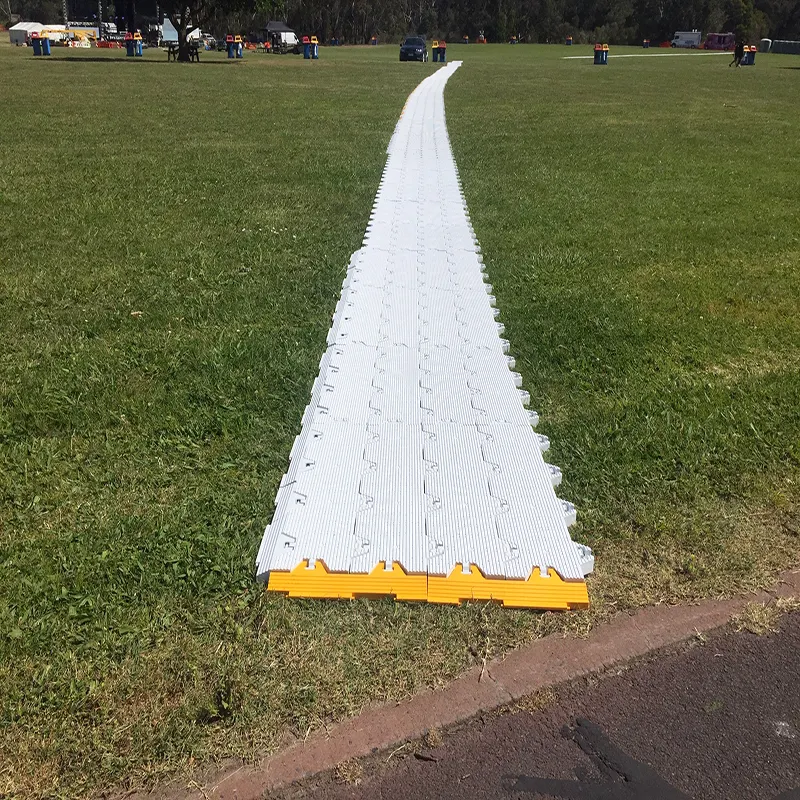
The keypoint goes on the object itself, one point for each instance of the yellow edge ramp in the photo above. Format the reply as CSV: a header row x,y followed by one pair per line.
x,y
549,592
319,582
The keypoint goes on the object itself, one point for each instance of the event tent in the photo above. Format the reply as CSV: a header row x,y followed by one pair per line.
x,y
20,33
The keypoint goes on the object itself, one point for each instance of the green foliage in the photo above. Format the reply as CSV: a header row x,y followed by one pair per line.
x,y
740,17
615,21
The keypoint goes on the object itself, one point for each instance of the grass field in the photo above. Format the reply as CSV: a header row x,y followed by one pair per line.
x,y
173,243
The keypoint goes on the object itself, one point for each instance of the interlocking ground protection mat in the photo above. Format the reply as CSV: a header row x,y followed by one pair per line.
x,y
418,473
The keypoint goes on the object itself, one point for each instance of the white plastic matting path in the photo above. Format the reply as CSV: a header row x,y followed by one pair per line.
x,y
417,473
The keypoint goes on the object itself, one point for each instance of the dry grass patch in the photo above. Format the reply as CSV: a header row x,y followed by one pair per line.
x,y
532,703
786,605
350,772
756,365
758,618
433,738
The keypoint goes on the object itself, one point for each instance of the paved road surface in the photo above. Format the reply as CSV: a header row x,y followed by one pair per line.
x,y
719,721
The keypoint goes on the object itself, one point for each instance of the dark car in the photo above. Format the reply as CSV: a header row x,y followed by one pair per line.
x,y
413,49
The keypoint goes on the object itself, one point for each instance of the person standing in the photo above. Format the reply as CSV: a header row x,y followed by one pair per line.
x,y
738,53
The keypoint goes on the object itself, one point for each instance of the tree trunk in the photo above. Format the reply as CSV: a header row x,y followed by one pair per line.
x,y
183,45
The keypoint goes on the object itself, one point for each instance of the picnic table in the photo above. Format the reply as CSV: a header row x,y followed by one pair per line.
x,y
173,50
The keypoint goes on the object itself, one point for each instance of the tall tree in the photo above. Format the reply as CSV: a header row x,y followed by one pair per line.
x,y
740,17
186,14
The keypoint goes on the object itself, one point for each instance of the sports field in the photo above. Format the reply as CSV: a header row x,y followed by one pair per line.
x,y
173,240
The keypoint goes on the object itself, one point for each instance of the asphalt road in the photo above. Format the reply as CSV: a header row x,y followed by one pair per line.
x,y
719,720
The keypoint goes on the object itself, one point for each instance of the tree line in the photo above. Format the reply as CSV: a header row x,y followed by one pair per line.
x,y
356,21
613,21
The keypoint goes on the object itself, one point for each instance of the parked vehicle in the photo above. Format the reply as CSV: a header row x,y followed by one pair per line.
x,y
720,41
413,49
281,38
687,39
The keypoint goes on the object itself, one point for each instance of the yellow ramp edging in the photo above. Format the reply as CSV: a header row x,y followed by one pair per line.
x,y
317,581
549,592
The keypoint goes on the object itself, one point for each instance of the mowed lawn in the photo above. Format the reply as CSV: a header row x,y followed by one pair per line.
x,y
641,223
173,243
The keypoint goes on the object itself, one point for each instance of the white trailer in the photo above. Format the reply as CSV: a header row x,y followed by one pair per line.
x,y
687,39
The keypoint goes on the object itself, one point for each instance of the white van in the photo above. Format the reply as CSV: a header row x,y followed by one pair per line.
x,y
687,39
281,37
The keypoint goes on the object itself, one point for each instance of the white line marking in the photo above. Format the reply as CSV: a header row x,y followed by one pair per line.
x,y
652,55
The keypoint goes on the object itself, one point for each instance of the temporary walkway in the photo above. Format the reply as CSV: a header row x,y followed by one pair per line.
x,y
417,472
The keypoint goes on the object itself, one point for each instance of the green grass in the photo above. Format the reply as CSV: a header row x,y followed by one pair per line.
x,y
641,232
643,239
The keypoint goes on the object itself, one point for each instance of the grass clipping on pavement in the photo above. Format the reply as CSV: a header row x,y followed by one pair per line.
x,y
174,242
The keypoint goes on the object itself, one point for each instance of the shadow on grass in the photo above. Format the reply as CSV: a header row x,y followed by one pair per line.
x,y
129,60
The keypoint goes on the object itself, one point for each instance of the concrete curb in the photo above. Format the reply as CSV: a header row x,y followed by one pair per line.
x,y
540,665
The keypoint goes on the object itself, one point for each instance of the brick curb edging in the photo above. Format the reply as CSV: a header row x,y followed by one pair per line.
x,y
539,665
